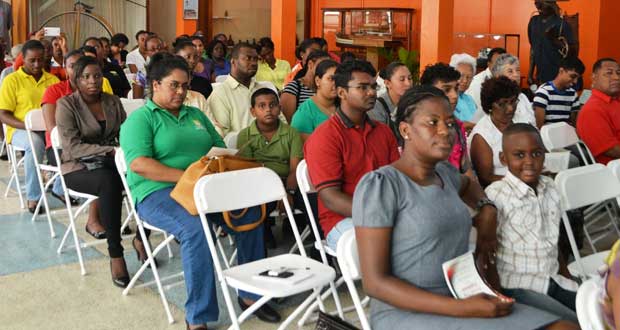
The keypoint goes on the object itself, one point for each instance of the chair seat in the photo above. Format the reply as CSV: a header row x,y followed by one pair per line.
x,y
591,264
16,148
242,277
328,250
76,194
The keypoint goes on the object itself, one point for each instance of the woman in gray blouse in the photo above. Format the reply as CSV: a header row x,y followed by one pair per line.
x,y
411,216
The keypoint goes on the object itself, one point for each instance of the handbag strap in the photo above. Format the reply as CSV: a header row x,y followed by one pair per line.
x,y
246,227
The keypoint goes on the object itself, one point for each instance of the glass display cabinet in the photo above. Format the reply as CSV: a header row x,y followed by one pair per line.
x,y
365,30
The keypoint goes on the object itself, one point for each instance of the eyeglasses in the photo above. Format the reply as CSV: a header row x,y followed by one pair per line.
x,y
366,88
175,85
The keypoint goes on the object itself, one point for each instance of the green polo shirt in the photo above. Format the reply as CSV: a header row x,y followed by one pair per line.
x,y
275,154
173,141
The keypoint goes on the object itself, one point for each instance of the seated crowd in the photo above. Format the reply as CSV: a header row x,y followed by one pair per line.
x,y
404,169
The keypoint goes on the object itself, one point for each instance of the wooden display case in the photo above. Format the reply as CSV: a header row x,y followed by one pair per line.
x,y
365,30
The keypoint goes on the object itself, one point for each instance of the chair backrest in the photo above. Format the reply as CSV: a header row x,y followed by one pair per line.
x,y
586,185
130,105
54,136
237,190
231,140
221,78
348,258
34,120
589,311
558,135
303,178
121,167
614,166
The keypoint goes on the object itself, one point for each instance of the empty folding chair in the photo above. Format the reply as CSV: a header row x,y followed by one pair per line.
x,y
557,136
121,166
579,187
34,123
14,165
349,263
589,311
246,188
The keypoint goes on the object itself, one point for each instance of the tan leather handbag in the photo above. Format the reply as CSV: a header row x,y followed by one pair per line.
x,y
183,192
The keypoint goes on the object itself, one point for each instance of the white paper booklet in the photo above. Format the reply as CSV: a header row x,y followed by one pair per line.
x,y
292,275
463,278
217,151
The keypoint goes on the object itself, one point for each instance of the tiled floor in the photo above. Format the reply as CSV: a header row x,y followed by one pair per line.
x,y
42,289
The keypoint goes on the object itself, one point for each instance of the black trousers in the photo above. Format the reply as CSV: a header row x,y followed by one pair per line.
x,y
106,184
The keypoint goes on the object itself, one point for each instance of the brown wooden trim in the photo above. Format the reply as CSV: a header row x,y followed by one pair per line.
x,y
148,6
205,19
307,18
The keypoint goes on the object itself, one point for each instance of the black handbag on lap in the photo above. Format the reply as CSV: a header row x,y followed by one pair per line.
x,y
328,322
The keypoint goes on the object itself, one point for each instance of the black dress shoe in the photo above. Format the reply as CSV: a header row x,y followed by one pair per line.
x,y
141,253
265,313
96,234
122,281
202,327
31,209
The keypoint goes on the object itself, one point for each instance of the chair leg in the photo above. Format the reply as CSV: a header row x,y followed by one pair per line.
x,y
76,240
229,305
333,286
304,305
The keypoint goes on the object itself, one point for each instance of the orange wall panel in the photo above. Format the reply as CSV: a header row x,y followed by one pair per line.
x,y
609,33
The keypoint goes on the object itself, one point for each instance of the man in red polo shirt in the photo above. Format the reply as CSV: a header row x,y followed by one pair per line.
x,y
347,146
598,123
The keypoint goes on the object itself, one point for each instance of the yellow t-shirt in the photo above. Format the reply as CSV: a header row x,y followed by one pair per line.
x,y
20,93
106,87
276,76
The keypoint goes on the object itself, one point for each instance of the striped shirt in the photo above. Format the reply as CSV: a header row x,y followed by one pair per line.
x,y
528,228
558,104
299,90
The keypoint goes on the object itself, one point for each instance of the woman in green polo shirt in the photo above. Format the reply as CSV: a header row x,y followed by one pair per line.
x,y
160,141
318,108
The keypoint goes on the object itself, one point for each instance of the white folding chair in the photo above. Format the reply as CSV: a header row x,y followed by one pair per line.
x,y
121,166
306,187
246,188
34,123
579,187
130,105
589,311
14,166
348,260
88,198
557,136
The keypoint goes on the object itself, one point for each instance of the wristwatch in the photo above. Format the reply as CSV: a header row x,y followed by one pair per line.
x,y
483,202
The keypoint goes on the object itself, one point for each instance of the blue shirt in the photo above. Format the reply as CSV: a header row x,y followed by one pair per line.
x,y
465,107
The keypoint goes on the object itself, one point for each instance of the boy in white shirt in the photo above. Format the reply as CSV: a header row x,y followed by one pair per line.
x,y
528,226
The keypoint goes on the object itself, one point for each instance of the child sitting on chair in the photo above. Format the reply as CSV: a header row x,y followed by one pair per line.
x,y
270,141
528,227
610,289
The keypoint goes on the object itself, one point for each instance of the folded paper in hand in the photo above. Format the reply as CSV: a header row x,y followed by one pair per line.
x,y
463,278
217,151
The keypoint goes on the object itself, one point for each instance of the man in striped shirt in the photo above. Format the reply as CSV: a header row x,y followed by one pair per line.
x,y
557,100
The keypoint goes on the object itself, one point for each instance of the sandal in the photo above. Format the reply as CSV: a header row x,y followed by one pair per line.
x,y
96,234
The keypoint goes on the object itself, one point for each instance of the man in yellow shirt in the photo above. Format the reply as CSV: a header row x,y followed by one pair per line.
x,y
20,93
230,101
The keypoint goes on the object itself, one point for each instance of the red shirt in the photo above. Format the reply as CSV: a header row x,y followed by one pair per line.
x,y
598,124
52,94
338,154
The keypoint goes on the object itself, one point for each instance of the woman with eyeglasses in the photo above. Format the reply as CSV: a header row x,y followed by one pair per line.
x,y
500,98
88,122
160,140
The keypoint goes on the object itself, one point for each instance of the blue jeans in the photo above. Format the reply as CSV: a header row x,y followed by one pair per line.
x,y
33,190
339,229
160,210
